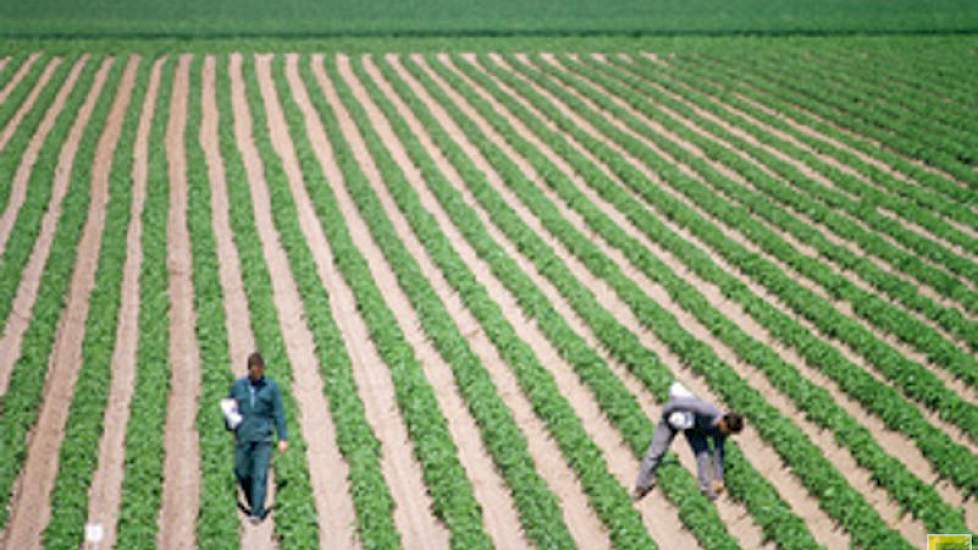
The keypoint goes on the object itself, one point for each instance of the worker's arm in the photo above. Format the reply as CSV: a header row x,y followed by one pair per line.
x,y
280,415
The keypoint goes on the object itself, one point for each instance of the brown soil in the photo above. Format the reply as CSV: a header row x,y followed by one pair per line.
x,y
105,492
31,509
605,294
31,276
500,514
584,525
14,121
859,480
181,465
402,471
889,170
843,307
241,341
335,510
19,184
659,517
948,380
916,464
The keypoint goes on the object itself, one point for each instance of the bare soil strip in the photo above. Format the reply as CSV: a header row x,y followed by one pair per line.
x,y
954,432
661,519
31,509
30,279
829,160
810,173
104,494
900,445
583,523
807,506
760,455
14,121
241,340
401,470
861,155
502,521
22,71
29,158
181,465
858,137
334,510
843,307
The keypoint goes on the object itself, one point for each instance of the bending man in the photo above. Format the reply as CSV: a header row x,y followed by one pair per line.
x,y
702,424
259,404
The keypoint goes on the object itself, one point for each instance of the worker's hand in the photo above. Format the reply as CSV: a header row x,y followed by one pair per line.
x,y
283,445
717,487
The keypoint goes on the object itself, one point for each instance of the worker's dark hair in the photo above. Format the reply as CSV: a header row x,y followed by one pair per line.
x,y
734,422
255,360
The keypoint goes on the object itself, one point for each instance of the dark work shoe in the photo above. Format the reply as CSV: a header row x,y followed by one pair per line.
x,y
639,494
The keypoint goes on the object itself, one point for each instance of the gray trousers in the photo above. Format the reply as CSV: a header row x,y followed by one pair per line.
x,y
661,439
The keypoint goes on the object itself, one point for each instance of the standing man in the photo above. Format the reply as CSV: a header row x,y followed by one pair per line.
x,y
701,423
259,404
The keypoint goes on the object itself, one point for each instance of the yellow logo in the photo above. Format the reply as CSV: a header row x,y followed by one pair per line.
x,y
948,542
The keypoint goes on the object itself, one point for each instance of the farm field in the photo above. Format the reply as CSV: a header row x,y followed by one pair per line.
x,y
475,274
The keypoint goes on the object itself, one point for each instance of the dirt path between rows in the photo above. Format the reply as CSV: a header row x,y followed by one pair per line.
x,y
949,381
660,519
499,512
181,464
334,509
819,179
791,489
582,522
28,102
241,340
898,444
105,491
21,177
887,211
877,163
412,516
31,509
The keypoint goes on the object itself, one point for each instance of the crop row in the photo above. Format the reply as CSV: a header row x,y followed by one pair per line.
x,y
21,404
818,404
16,98
143,463
871,308
606,495
915,380
916,95
745,484
926,144
27,227
937,194
787,440
295,522
678,485
357,442
539,510
946,456
78,455
451,491
217,520
806,92
922,246
949,318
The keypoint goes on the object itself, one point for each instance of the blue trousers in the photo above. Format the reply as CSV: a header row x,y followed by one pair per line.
x,y
251,459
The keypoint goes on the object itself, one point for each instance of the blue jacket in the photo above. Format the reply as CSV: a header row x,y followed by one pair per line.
x,y
260,405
